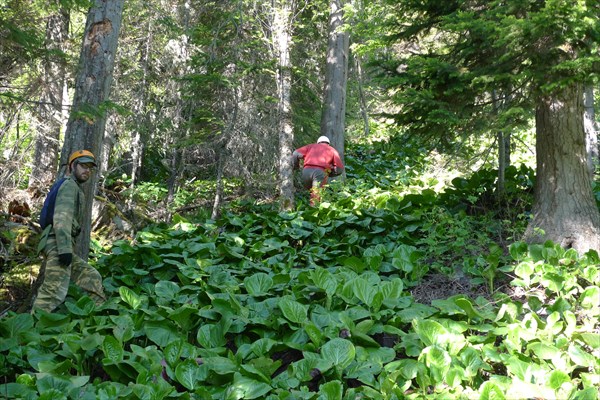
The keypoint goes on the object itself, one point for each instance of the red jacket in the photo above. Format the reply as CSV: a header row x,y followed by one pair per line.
x,y
320,155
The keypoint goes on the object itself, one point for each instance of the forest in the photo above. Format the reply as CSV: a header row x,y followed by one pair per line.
x,y
456,256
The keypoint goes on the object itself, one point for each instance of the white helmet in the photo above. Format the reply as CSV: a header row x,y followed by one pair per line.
x,y
323,139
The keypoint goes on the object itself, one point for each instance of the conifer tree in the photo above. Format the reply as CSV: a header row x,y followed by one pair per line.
x,y
455,54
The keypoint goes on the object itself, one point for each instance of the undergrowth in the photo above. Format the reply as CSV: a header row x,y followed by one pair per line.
x,y
316,304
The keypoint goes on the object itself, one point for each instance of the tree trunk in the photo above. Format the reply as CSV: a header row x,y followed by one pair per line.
x,y
364,109
50,113
219,186
565,210
282,38
85,129
591,128
137,144
503,140
336,75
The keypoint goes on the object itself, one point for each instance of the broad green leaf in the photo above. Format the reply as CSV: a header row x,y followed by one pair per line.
x,y
36,356
187,373
262,346
123,330
364,290
490,391
204,249
130,297
430,332
517,367
591,339
161,332
258,284
525,270
91,342
402,257
112,349
557,378
408,367
324,280
25,379
17,391
590,298
581,357
331,391
518,250
52,394
437,360
416,311
292,310
302,368
590,393
12,326
455,376
544,351
166,289
221,365
339,352
355,263
246,388
184,316
467,306
83,307
60,368
392,289
211,336
263,367
553,281
314,333
174,351
47,382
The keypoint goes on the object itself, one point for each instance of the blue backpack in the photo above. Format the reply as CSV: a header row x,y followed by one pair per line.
x,y
47,213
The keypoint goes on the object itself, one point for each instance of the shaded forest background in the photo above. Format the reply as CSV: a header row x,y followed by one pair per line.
x,y
451,261
194,114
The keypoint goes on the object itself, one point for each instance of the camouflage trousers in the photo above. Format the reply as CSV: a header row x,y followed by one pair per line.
x,y
56,278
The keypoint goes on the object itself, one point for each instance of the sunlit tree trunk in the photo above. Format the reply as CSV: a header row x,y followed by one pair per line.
x,y
503,141
591,128
85,129
565,210
137,144
50,114
181,117
219,187
336,75
282,38
364,108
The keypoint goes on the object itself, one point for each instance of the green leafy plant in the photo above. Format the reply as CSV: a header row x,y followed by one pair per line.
x,y
316,303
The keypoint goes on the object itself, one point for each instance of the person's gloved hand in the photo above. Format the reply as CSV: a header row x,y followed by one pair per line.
x,y
65,259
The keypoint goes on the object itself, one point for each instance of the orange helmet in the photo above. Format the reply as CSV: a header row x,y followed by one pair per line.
x,y
85,155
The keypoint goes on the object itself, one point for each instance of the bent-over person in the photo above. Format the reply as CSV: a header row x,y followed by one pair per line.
x,y
320,160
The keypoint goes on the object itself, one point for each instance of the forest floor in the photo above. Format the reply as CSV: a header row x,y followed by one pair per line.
x,y
20,263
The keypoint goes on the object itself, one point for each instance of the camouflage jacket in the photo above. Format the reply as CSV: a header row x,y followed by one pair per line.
x,y
68,214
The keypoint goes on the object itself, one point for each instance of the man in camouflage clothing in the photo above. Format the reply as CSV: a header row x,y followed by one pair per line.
x,y
62,265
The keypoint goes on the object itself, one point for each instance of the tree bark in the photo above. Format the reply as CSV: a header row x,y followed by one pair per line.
x,y
50,116
282,39
336,76
565,210
140,108
364,108
503,140
87,121
591,128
